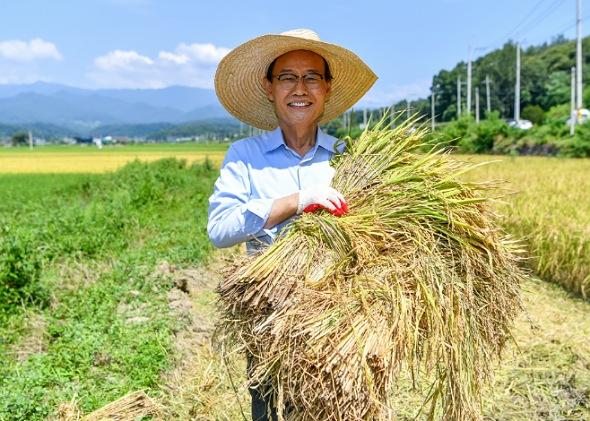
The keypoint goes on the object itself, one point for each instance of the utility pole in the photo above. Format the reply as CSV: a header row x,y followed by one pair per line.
x,y
469,82
30,140
573,116
432,106
517,87
408,108
364,118
488,99
477,104
458,97
579,93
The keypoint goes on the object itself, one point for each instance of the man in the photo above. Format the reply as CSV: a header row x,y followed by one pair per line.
x,y
288,84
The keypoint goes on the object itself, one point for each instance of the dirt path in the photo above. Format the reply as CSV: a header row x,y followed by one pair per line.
x,y
199,387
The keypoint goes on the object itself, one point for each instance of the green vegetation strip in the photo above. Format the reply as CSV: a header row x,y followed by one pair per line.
x,y
83,315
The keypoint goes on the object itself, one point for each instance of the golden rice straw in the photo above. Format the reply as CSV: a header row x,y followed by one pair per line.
x,y
417,278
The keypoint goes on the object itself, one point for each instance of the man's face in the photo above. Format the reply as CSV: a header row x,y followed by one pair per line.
x,y
303,103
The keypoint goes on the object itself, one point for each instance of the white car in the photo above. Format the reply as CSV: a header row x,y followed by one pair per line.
x,y
521,124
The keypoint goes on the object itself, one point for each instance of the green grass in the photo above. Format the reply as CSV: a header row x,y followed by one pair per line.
x,y
77,266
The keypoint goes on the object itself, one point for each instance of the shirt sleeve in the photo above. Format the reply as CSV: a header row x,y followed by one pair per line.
x,y
233,216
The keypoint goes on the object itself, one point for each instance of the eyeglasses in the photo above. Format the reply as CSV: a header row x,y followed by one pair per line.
x,y
290,80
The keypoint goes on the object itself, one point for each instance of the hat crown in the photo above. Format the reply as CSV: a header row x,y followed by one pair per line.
x,y
302,33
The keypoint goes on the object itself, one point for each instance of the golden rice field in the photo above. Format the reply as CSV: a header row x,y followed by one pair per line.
x,y
87,159
549,207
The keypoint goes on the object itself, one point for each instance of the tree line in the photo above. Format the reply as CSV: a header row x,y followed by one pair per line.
x,y
545,81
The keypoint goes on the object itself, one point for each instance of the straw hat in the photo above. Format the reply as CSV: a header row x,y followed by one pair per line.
x,y
239,77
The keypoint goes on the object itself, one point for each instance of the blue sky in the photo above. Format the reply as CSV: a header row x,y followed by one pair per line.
x,y
156,43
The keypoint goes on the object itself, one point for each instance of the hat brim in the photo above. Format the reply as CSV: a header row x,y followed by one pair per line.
x,y
239,78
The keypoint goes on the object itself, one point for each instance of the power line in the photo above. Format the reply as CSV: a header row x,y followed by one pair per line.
x,y
526,18
539,13
531,25
570,25
524,26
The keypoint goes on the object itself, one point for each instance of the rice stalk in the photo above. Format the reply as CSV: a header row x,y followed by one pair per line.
x,y
417,278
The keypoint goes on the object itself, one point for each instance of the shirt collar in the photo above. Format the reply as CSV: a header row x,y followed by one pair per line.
x,y
325,140
275,139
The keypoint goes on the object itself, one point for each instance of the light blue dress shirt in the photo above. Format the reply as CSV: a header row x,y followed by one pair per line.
x,y
256,171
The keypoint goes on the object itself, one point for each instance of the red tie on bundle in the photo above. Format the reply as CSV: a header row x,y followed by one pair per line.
x,y
339,211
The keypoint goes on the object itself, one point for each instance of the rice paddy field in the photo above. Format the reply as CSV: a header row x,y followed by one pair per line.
x,y
548,204
89,159
91,234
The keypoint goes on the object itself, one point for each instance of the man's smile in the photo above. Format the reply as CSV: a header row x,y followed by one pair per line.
x,y
299,104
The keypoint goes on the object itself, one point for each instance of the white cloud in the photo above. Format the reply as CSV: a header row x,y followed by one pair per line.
x,y
174,58
188,64
36,48
125,60
202,53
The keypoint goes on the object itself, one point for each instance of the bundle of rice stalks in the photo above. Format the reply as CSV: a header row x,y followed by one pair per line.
x,y
416,279
133,406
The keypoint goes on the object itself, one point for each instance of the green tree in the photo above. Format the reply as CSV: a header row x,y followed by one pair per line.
x,y
534,113
20,138
557,90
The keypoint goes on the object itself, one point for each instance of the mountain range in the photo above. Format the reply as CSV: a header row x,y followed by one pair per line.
x,y
83,111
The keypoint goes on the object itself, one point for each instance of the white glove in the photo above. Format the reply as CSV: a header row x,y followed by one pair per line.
x,y
325,197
